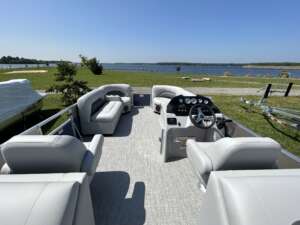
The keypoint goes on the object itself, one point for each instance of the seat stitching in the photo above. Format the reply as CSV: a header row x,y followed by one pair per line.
x,y
33,205
211,162
224,202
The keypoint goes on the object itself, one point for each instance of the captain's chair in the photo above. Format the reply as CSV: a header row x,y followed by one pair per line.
x,y
232,154
162,95
29,154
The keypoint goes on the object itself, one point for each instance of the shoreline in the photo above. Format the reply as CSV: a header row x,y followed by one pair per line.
x,y
272,67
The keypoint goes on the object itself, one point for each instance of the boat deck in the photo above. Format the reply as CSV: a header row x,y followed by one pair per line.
x,y
133,186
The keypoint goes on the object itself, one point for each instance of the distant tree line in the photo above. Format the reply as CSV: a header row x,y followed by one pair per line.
x,y
230,64
21,60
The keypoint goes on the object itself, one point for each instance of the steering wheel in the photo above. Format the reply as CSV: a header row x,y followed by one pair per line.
x,y
202,116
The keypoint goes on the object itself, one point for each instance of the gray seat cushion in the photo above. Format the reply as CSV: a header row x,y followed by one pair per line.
x,y
39,154
51,154
55,199
232,154
256,197
109,112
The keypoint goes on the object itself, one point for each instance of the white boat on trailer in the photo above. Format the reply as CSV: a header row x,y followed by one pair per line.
x,y
18,100
171,157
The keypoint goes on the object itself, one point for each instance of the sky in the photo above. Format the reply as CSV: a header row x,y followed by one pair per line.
x,y
212,31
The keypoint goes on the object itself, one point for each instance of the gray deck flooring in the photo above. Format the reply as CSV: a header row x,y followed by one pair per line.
x,y
133,186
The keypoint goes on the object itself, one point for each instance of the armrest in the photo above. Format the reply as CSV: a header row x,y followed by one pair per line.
x,y
113,98
92,155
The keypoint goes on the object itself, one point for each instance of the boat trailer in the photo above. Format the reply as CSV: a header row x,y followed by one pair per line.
x,y
283,116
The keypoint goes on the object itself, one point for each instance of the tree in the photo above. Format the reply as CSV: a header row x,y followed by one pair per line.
x,y
70,88
93,64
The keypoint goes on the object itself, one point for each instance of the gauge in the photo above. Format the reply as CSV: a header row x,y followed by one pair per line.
x,y
180,100
194,101
187,101
200,100
205,102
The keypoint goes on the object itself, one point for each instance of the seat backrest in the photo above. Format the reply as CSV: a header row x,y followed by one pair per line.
x,y
48,199
43,154
91,102
244,153
122,90
252,197
168,91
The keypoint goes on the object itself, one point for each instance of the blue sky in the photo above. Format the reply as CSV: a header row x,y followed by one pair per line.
x,y
153,30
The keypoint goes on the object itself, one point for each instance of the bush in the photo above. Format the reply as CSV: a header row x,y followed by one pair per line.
x,y
70,89
284,74
65,71
93,64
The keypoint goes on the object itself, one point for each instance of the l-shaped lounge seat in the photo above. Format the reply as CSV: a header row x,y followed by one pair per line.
x,y
46,199
162,95
101,109
232,154
33,154
251,197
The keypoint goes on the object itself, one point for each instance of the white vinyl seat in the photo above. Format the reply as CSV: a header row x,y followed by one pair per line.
x,y
232,154
29,154
46,199
251,197
100,110
110,111
162,95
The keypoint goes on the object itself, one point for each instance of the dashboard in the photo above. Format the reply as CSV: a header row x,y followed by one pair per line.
x,y
181,105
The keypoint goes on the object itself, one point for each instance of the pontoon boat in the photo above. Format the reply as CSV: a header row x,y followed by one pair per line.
x,y
166,157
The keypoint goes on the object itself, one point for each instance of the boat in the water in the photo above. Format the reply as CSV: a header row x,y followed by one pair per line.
x,y
18,100
167,157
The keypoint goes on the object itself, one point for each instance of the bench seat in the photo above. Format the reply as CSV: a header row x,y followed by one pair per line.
x,y
109,112
232,154
252,197
46,199
100,110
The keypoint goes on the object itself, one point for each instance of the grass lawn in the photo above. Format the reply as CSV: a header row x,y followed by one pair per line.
x,y
287,137
145,79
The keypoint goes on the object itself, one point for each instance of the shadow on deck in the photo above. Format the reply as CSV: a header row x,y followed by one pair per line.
x,y
111,207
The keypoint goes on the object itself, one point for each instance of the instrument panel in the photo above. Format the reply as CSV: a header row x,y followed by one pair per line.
x,y
181,105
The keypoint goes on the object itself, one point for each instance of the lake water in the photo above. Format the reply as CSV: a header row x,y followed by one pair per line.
x,y
195,69
171,69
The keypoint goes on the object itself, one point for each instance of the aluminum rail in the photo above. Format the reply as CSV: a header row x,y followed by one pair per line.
x,y
37,129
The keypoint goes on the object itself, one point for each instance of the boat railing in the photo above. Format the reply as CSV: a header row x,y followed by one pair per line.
x,y
38,128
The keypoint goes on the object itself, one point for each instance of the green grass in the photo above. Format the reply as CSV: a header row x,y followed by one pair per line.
x,y
289,138
147,79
